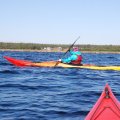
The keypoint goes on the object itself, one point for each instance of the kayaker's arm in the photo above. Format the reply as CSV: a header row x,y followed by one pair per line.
x,y
75,52
69,59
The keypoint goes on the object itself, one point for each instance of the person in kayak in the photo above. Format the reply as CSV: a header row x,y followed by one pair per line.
x,y
75,58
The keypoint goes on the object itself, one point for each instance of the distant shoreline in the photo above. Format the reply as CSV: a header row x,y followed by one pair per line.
x,y
27,50
58,47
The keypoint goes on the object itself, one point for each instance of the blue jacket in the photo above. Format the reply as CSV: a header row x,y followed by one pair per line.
x,y
74,56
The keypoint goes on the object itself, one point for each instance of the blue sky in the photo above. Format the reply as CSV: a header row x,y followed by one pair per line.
x,y
60,21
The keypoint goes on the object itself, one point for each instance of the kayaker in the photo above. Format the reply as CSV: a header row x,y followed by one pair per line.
x,y
75,58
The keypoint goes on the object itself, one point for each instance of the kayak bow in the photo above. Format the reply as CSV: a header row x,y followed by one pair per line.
x,y
20,63
106,108
25,63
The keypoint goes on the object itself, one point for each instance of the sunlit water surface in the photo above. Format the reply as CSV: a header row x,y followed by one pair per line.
x,y
33,93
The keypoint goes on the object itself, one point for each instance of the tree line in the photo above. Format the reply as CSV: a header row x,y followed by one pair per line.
x,y
33,46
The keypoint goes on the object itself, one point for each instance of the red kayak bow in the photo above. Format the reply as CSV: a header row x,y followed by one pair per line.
x,y
106,108
19,63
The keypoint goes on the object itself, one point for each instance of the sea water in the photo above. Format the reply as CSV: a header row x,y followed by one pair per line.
x,y
33,93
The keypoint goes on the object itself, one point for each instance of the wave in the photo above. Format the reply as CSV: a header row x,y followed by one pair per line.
x,y
9,72
23,87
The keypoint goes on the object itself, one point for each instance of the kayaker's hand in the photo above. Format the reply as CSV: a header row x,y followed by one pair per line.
x,y
59,60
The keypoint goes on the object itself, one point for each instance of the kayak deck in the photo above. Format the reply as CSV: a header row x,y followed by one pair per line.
x,y
106,108
22,63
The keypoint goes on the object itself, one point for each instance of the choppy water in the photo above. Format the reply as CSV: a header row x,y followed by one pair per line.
x,y
53,93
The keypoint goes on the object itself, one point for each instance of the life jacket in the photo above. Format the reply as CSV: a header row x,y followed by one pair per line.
x,y
77,61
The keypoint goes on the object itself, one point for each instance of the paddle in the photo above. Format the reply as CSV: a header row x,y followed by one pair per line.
x,y
67,51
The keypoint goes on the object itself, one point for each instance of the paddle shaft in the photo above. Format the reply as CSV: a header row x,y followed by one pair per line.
x,y
70,47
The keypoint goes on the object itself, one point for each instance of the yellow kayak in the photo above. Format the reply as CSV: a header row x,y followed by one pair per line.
x,y
23,63
87,66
